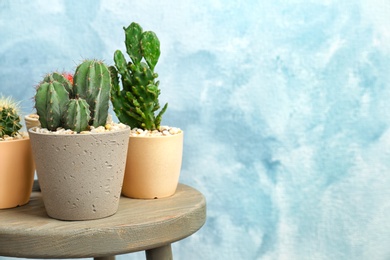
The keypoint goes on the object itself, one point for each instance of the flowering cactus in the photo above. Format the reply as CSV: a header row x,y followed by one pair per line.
x,y
75,103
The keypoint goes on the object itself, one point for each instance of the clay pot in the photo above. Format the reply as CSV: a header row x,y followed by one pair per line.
x,y
153,166
80,175
31,121
16,173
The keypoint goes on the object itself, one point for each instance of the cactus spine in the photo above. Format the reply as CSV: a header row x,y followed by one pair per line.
x,y
137,102
76,106
9,117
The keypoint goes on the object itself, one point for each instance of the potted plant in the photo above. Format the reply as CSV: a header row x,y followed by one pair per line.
x,y
155,152
80,159
16,164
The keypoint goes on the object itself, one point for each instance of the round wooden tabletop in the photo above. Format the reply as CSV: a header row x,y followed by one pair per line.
x,y
138,225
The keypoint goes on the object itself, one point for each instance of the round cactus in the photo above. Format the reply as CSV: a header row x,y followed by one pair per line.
x,y
9,117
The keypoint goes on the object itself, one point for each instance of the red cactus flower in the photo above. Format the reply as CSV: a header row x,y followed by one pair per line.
x,y
68,76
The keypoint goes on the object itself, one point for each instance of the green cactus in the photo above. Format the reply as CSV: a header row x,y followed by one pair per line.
x,y
61,79
9,117
92,82
137,103
77,115
51,100
77,106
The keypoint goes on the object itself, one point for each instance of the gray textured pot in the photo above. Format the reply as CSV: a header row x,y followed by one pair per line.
x,y
81,175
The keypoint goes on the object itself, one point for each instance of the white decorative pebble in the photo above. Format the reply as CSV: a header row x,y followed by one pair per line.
x,y
18,136
162,131
109,127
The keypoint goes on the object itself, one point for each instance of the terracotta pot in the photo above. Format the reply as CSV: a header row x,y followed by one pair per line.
x,y
81,175
16,173
153,166
31,121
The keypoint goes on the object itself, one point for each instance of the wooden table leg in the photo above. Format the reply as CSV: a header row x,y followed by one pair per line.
x,y
105,258
160,253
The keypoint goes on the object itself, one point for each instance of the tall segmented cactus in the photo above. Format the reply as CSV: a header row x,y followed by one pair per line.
x,y
77,106
92,82
9,118
137,102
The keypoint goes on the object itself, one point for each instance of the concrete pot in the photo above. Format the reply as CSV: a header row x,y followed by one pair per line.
x,y
81,175
16,173
153,166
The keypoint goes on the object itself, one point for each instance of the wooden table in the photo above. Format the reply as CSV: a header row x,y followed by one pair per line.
x,y
150,225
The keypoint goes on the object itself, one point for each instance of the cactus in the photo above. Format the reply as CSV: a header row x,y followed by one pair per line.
x,y
137,103
76,106
77,115
61,78
50,102
9,117
92,82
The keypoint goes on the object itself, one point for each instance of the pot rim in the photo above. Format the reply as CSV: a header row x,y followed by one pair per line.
x,y
157,137
31,118
16,140
78,135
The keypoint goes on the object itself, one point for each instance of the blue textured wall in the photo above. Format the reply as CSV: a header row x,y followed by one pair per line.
x,y
285,106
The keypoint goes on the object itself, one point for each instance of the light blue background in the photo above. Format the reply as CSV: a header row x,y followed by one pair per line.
x,y
284,104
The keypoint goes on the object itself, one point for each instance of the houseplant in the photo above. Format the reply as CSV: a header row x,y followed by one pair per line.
x,y
155,153
80,161
16,164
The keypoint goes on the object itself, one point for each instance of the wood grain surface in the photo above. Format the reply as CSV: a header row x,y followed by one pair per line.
x,y
138,225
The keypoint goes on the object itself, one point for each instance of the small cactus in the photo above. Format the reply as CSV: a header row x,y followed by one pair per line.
x,y
9,117
136,104
75,103
77,115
